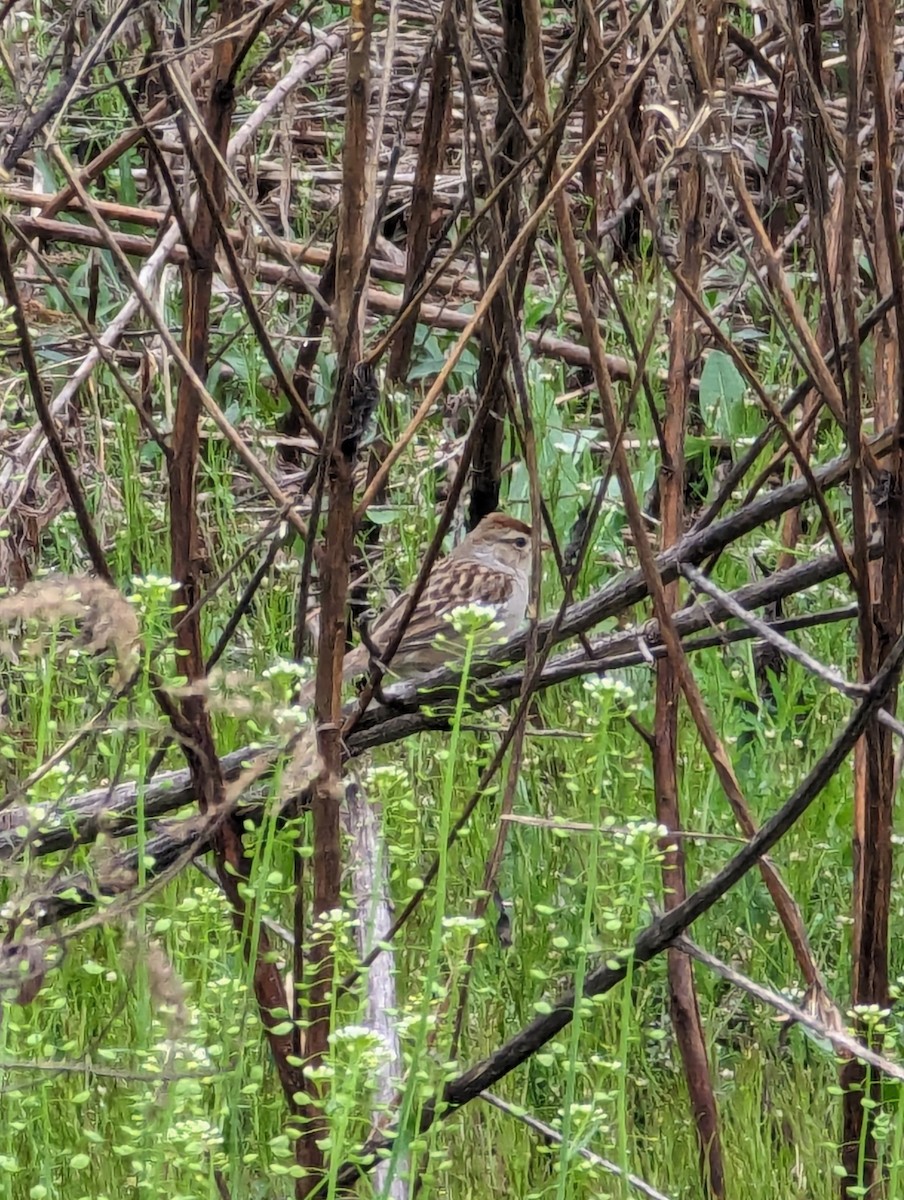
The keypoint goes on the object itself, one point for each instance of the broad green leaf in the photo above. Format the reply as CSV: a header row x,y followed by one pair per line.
x,y
722,390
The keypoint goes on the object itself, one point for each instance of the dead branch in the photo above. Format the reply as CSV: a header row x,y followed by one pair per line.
x,y
660,933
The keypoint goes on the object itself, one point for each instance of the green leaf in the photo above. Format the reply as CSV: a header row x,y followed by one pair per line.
x,y
722,390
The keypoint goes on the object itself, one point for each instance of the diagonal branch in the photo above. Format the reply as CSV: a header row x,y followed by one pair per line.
x,y
658,935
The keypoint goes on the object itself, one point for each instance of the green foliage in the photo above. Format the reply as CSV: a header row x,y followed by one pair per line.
x,y
142,1068
722,393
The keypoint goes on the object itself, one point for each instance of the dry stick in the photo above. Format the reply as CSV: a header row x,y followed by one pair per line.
x,y
658,935
553,1135
155,154
278,44
360,302
684,1009
77,818
833,678
33,440
847,1046
58,102
854,414
874,790
615,832
376,206
799,452
369,858
114,812
825,203
851,1076
63,465
310,253
305,63
378,301
587,32
505,325
89,332
691,296
172,854
243,606
433,140
126,141
532,677
242,196
805,388
786,647
158,257
260,19
499,278
63,198
593,244
557,130
784,903
88,1066
199,742
395,1174
302,375
495,348
751,51
822,376
743,465
229,432
882,63
238,277
222,1185
773,411
6,8
339,451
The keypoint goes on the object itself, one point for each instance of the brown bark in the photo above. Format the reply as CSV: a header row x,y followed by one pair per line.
x,y
379,301
487,470
653,939
340,449
825,213
882,610
683,1005
192,719
434,133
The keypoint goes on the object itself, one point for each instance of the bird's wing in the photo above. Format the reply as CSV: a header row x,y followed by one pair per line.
x,y
451,584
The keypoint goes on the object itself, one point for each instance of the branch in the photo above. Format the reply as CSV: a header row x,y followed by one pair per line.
x,y
655,938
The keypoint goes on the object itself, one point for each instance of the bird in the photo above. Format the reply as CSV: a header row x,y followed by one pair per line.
x,y
490,567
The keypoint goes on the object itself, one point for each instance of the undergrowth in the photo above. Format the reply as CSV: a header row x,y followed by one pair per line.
x,y
141,1066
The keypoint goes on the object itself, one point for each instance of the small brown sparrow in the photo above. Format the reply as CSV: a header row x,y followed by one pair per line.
x,y
491,567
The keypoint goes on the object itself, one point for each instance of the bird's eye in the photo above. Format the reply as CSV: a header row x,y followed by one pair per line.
x,y
520,542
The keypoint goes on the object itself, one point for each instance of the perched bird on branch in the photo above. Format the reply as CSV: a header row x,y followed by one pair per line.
x,y
491,567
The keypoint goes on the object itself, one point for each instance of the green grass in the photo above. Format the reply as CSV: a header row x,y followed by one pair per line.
x,y
141,1065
